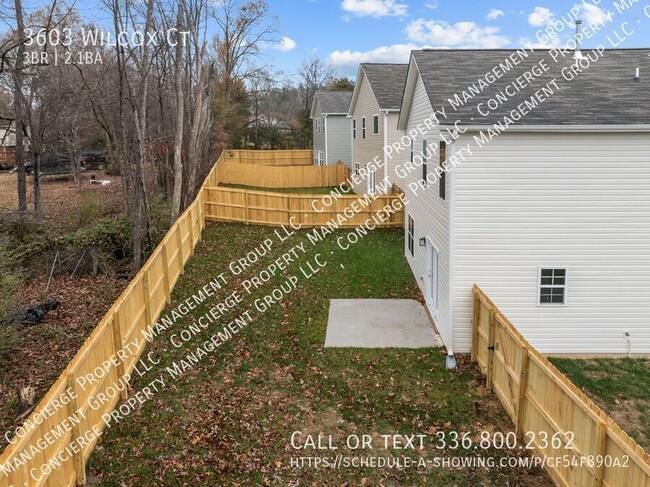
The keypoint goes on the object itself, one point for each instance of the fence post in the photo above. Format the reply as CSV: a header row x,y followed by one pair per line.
x,y
523,386
166,286
190,216
490,355
602,450
118,343
475,320
73,408
290,207
148,315
179,242
246,207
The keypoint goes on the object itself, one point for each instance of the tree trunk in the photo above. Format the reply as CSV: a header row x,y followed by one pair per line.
x,y
19,110
178,136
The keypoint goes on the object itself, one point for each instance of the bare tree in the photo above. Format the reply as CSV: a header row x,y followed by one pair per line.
x,y
314,74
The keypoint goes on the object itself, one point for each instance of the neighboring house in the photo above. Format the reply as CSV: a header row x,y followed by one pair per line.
x,y
374,111
551,218
331,127
8,143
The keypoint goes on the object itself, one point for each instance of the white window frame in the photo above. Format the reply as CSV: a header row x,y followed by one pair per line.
x,y
323,124
318,125
564,286
375,117
363,127
372,182
354,128
357,168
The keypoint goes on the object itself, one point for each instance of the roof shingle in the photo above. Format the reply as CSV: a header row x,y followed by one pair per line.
x,y
334,101
387,83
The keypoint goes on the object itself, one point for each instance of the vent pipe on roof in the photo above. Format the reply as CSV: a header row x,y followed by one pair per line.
x,y
578,54
637,75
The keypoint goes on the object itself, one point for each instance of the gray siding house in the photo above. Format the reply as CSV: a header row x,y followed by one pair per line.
x,y
332,139
551,216
374,111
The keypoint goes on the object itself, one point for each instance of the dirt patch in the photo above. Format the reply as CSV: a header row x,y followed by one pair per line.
x,y
61,198
36,355
632,416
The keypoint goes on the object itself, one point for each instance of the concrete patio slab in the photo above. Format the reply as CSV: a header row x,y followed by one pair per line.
x,y
379,323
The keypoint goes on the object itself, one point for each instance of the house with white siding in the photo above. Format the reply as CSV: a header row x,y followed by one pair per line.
x,y
331,127
529,175
374,110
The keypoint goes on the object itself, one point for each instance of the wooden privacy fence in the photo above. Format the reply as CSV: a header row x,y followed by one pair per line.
x,y
281,176
543,402
308,210
114,347
270,157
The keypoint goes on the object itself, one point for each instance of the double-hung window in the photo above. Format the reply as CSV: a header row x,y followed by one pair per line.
x,y
424,162
552,286
357,168
375,125
354,128
363,127
442,153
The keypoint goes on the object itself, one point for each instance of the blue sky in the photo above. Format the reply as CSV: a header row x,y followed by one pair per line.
x,y
346,32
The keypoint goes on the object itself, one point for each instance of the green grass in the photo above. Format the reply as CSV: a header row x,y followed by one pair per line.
x,y
620,386
317,190
229,420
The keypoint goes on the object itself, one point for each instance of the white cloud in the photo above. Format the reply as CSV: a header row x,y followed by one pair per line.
x,y
397,53
374,8
593,14
540,17
587,12
460,34
286,44
432,5
494,14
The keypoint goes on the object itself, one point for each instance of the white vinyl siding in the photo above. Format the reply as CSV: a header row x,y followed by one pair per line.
x,y
331,137
575,201
432,217
366,149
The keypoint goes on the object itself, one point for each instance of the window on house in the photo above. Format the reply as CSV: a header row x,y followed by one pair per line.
x,y
323,124
363,127
375,124
424,162
354,128
371,180
552,286
410,237
318,125
442,153
412,144
357,168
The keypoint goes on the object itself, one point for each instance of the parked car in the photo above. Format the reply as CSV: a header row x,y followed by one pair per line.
x,y
93,160
53,163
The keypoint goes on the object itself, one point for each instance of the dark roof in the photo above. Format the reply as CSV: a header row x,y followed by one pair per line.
x,y
387,83
605,93
334,101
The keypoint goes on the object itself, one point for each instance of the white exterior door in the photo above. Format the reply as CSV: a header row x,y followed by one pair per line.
x,y
432,277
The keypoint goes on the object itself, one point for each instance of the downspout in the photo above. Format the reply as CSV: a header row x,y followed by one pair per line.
x,y
386,190
451,360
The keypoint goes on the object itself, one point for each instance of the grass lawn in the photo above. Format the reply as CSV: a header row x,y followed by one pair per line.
x,y
317,190
621,387
229,419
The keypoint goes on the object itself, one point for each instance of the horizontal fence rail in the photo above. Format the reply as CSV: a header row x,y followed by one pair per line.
x,y
540,399
270,157
281,176
308,210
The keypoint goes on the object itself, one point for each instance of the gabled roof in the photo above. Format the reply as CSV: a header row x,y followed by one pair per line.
x,y
386,82
604,93
332,102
